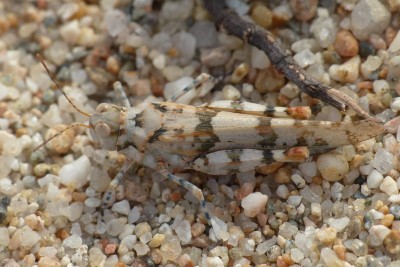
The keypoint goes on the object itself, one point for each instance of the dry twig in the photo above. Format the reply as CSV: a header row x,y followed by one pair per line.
x,y
228,20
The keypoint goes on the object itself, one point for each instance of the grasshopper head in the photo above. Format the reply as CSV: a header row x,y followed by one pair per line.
x,y
105,126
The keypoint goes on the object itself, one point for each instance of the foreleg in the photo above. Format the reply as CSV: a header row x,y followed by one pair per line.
x,y
201,85
110,195
121,95
191,188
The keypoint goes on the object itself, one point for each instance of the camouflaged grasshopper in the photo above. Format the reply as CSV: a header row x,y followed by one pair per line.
x,y
224,137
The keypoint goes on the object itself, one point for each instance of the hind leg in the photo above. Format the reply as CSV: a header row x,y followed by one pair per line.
x,y
301,113
242,160
110,195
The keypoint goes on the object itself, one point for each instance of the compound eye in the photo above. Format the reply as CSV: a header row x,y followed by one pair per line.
x,y
102,129
103,107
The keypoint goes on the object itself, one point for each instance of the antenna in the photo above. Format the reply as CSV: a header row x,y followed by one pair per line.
x,y
61,132
69,100
59,87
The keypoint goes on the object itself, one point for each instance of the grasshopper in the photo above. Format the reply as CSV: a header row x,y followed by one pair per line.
x,y
220,138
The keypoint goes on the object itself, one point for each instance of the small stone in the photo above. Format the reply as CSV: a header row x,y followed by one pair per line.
x,y
115,226
135,192
122,207
263,247
146,238
262,15
395,45
92,202
311,196
28,237
297,255
330,258
27,29
259,60
230,92
185,43
214,262
346,44
9,144
185,260
219,228
254,204
73,211
340,251
239,73
87,37
333,167
377,233
282,176
324,30
176,11
294,200
298,181
96,256
229,41
287,230
354,228
128,241
374,179
380,87
339,224
309,169
4,237
392,242
134,215
70,31
141,87
369,66
269,80
215,57
72,241
110,249
348,72
378,18
304,58
282,191
304,10
359,248
205,34
327,235
389,186
142,228
141,249
170,249
222,253
387,220
183,231
383,161
48,262
75,174
394,199
395,105
197,229
156,241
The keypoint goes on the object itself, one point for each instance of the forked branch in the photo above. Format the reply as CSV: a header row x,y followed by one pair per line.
x,y
228,20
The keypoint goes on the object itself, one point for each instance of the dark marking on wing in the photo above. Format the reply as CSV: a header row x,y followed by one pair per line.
x,y
203,133
156,135
160,107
